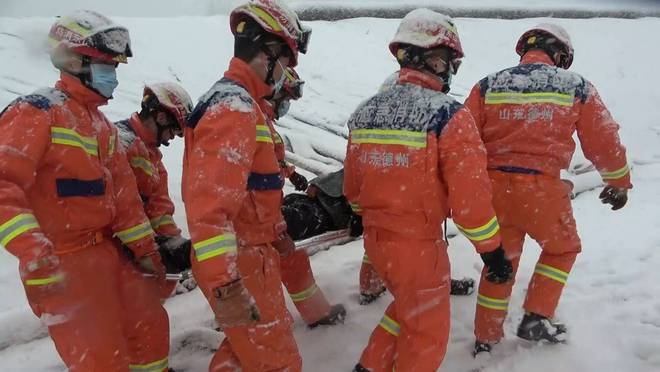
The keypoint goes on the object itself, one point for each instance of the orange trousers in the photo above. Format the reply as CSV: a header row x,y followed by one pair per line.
x,y
370,282
108,317
269,345
299,281
413,333
540,206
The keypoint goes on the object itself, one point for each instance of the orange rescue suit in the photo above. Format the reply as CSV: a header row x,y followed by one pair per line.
x,y
232,189
413,155
65,186
526,116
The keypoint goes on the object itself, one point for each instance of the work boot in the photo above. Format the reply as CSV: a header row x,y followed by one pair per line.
x,y
337,315
367,298
535,327
359,368
481,347
462,287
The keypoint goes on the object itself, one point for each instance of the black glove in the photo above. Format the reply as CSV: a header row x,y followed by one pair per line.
x,y
175,253
355,227
614,196
499,267
299,181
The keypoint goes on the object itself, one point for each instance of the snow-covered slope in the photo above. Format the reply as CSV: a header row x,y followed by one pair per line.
x,y
610,304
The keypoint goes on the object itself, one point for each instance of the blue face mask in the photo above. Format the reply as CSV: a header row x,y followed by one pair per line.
x,y
104,79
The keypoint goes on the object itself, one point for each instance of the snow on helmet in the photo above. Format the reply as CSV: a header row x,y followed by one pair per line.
x,y
172,97
293,84
275,18
549,37
91,34
427,29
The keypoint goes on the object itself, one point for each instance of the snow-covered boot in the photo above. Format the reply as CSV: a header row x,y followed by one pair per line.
x,y
337,315
462,287
535,327
481,347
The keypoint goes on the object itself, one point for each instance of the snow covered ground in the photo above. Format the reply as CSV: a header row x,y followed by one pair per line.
x,y
611,303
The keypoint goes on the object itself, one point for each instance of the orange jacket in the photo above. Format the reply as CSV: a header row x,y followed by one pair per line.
x,y
231,179
146,160
413,155
527,115
63,175
280,150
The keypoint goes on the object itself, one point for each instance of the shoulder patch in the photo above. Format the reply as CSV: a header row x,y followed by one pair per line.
x,y
43,99
444,115
224,92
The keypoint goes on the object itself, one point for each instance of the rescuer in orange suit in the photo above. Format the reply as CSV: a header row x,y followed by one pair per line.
x,y
297,274
65,190
164,110
526,116
413,155
232,189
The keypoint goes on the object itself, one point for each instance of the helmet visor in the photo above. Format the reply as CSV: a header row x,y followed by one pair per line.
x,y
115,41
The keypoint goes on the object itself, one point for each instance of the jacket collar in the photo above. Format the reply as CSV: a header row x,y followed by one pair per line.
x,y
145,135
243,74
76,90
425,80
536,56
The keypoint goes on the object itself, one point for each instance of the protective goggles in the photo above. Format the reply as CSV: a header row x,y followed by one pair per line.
x,y
115,41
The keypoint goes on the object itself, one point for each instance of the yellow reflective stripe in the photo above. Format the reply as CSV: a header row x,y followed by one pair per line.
x,y
493,303
44,281
143,164
111,145
366,260
157,366
263,134
483,232
278,138
390,325
266,17
560,99
215,246
135,233
69,137
16,226
307,293
615,175
159,221
74,26
355,207
551,272
389,137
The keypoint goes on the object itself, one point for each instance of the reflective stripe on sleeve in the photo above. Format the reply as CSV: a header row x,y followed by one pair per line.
x,y
143,164
355,207
483,232
135,233
263,134
615,175
17,226
159,221
215,246
390,325
45,281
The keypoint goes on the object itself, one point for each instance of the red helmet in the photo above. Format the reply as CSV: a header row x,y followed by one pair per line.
x,y
427,29
172,97
275,18
549,37
293,84
91,34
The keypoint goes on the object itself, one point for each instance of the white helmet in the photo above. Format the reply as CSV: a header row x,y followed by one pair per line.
x,y
427,29
170,96
549,37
